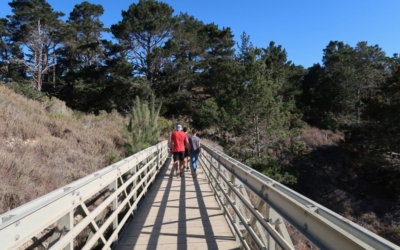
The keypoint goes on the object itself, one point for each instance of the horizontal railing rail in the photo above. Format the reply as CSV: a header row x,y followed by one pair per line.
x,y
92,212
67,212
258,221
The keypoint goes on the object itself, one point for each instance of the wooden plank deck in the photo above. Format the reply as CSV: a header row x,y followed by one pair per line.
x,y
178,213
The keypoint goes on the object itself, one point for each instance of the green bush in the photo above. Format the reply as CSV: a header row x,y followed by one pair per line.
x,y
206,115
297,147
27,90
165,126
271,168
142,131
113,157
397,230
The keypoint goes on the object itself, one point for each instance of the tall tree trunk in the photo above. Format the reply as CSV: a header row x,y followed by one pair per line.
x,y
54,70
358,106
39,80
39,60
258,147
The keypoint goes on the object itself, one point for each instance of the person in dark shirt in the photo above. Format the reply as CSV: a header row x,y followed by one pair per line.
x,y
187,150
195,150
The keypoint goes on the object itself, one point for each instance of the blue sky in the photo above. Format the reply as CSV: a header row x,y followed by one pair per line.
x,y
302,27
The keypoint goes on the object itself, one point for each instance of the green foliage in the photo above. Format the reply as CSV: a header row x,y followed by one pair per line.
x,y
27,90
272,169
144,28
380,131
113,157
143,130
165,126
297,147
37,27
8,49
397,230
82,39
206,115
262,113
184,54
334,96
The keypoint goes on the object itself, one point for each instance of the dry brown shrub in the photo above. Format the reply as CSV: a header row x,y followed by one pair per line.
x,y
44,146
57,107
212,144
315,138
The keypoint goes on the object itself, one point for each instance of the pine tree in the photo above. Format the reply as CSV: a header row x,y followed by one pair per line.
x,y
142,131
36,27
83,45
8,50
356,72
143,30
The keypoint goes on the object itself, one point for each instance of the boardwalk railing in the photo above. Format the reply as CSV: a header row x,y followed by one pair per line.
x,y
257,209
90,212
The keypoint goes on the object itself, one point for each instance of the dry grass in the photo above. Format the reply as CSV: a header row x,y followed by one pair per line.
x,y
338,179
44,146
212,144
316,138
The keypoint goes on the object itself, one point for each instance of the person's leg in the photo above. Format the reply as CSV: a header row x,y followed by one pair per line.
x,y
194,162
187,156
176,161
181,162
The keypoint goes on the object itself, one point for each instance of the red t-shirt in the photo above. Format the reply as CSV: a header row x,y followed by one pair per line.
x,y
178,138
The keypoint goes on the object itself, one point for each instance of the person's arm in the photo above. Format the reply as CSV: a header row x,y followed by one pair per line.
x,y
199,146
187,143
171,148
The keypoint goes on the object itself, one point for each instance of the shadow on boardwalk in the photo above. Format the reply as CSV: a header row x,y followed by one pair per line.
x,y
178,213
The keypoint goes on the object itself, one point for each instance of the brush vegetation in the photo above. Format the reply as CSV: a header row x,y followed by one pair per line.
x,y
45,145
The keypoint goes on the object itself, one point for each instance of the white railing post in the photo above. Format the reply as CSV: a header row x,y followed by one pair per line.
x,y
64,225
24,224
114,187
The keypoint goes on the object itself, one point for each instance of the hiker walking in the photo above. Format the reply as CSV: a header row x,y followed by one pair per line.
x,y
195,150
178,142
186,162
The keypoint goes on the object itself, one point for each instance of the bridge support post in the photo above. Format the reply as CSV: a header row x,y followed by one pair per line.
x,y
237,220
269,214
114,186
64,224
158,152
134,183
145,172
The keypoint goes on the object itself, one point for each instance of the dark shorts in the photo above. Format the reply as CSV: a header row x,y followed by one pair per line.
x,y
187,152
178,156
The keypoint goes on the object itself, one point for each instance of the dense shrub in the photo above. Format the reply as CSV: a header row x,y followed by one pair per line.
x,y
45,145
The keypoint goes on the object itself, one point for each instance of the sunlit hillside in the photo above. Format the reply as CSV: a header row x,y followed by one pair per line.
x,y
44,146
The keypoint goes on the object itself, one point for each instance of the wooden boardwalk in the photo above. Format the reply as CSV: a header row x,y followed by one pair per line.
x,y
178,213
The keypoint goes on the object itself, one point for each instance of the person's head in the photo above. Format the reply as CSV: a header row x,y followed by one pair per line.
x,y
178,127
185,129
194,131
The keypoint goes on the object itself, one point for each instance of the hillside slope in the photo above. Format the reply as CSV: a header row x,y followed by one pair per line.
x,y
45,145
362,188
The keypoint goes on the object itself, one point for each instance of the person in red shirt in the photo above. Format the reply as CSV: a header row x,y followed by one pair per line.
x,y
178,142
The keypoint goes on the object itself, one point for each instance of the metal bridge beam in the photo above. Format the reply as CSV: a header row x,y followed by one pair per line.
x,y
323,227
